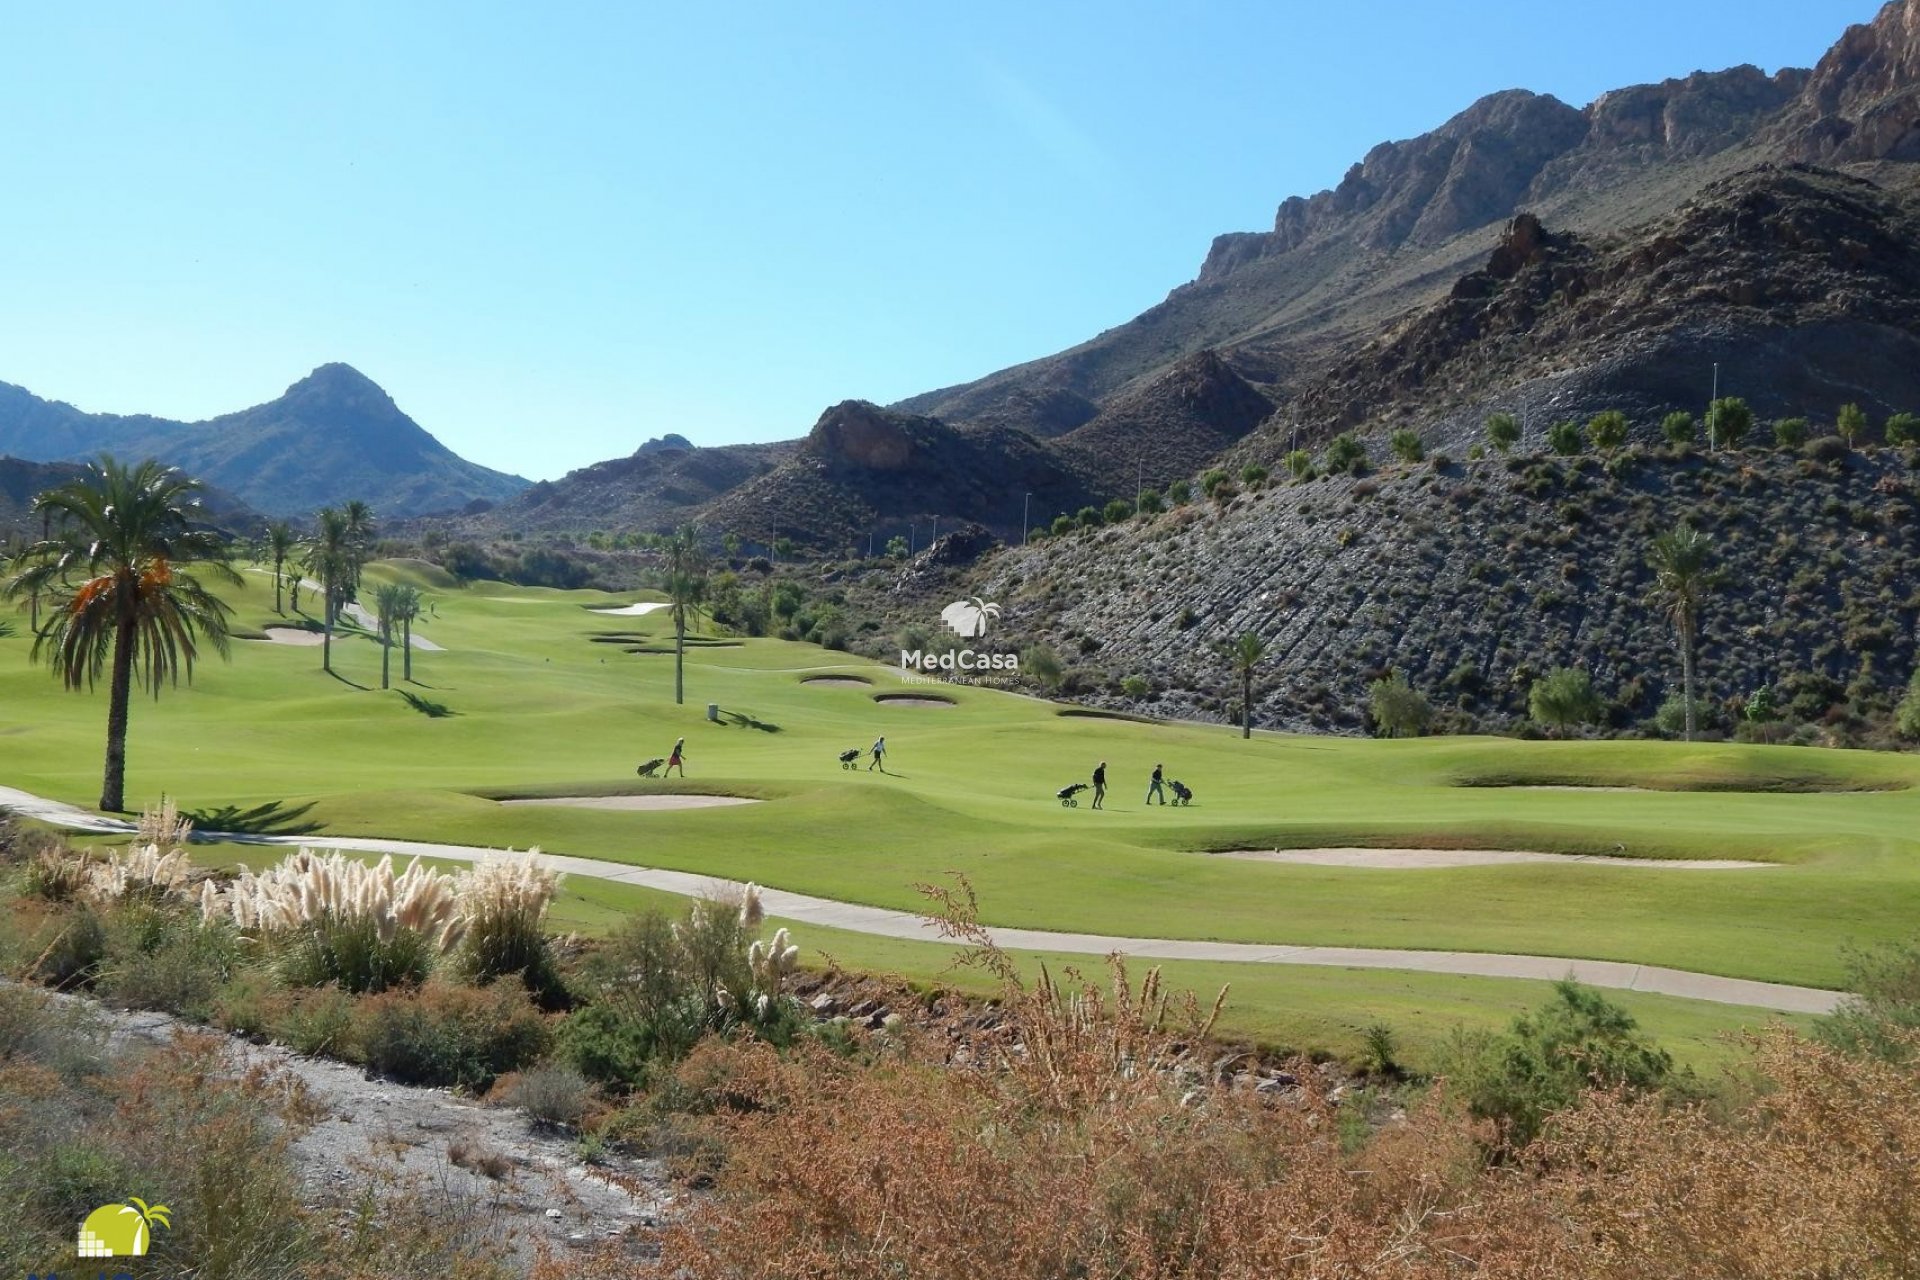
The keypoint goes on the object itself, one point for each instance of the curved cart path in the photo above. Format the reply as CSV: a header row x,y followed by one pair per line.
x,y
884,922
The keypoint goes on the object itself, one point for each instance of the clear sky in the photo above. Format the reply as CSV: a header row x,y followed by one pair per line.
x,y
553,230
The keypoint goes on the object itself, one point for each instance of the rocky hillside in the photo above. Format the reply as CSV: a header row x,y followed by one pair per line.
x,y
1472,579
1802,284
864,471
1412,216
663,483
334,436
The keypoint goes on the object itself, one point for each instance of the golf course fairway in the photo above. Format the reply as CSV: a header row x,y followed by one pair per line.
x,y
532,694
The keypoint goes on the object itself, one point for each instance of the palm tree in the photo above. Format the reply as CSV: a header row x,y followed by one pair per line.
x,y
118,598
1683,575
1246,650
279,546
410,602
389,605
330,559
360,531
687,589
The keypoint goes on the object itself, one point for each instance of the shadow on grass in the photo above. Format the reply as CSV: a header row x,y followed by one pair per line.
x,y
350,683
427,707
270,819
745,721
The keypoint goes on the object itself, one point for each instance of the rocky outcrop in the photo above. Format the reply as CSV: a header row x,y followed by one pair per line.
x,y
1863,100
1170,427
1802,283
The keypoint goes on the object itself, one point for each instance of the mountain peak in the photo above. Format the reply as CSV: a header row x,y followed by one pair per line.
x,y
341,385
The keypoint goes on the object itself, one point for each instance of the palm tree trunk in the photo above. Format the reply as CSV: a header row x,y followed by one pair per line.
x,y
1246,703
679,656
113,783
277,584
386,656
326,634
406,648
1686,672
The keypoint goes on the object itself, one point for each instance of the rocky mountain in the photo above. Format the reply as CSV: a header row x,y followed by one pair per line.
x,y
334,436
665,482
864,471
1412,216
1801,284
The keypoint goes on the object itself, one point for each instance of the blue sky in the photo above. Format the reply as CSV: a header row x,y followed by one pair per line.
x,y
554,234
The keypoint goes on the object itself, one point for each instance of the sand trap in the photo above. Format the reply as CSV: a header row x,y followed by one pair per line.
x,y
910,700
837,682
1431,859
642,803
295,636
632,610
366,618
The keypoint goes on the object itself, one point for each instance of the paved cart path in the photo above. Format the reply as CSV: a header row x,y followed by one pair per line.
x,y
803,908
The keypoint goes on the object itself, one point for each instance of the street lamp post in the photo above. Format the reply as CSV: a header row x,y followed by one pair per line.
x,y
1025,502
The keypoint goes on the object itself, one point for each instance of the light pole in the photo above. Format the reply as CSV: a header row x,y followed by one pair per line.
x,y
1024,503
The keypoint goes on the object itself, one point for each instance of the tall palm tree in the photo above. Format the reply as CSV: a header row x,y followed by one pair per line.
x,y
361,527
279,546
1245,651
389,603
330,560
118,597
1682,577
410,602
687,589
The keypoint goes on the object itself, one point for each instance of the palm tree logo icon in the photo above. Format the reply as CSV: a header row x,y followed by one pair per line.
x,y
968,618
122,1230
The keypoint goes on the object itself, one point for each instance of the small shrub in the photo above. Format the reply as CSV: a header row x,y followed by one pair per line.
x,y
1300,464
1790,433
1679,429
1903,429
72,952
1397,708
1671,718
1728,421
1850,423
1576,1041
1150,502
1253,475
1380,1049
1406,446
1063,525
1089,518
1608,430
1212,480
449,1035
1346,452
1179,493
1564,438
1562,699
1503,431
554,1095
1135,687
1827,449
1881,1017
1906,717
1118,511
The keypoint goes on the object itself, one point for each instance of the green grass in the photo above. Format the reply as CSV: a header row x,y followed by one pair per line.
x,y
537,708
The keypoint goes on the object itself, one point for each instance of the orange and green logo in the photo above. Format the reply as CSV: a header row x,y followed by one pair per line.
x,y
122,1230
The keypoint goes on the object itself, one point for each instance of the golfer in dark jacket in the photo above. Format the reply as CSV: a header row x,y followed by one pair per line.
x,y
1157,787
1099,783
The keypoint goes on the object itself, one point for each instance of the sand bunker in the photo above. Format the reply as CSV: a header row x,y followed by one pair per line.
x,y
365,617
911,700
632,610
1431,859
640,803
295,636
837,682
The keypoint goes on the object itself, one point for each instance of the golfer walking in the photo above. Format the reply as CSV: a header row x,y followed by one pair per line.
x,y
1157,787
678,759
1099,783
879,754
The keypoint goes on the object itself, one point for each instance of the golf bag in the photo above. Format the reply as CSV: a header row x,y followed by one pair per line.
x,y
651,767
1066,795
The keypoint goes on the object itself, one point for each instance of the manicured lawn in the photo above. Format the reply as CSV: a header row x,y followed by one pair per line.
x,y
535,706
